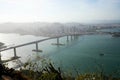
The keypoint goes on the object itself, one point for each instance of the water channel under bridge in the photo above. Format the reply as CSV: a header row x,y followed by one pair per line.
x,y
68,37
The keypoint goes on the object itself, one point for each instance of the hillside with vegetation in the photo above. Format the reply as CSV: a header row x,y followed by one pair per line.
x,y
47,71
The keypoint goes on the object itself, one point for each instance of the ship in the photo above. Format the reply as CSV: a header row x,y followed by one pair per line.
x,y
101,54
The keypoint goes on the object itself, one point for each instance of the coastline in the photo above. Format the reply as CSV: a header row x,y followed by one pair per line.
x,y
2,45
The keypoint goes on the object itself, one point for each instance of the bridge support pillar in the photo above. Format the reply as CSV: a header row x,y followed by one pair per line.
x,y
0,58
57,40
15,52
36,46
74,36
71,37
67,38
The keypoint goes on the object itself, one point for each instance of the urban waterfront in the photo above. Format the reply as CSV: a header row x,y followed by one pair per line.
x,y
81,54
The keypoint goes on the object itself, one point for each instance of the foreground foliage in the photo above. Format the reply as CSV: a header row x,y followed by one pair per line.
x,y
32,71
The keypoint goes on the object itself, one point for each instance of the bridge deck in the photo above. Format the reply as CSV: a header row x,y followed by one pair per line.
x,y
34,42
28,43
24,44
13,47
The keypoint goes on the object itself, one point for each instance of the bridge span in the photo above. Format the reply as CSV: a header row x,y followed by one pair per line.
x,y
29,43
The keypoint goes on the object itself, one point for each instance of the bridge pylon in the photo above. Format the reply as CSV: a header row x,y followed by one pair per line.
x,y
67,38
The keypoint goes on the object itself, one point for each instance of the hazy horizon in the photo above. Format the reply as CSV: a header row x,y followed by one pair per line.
x,y
83,11
90,22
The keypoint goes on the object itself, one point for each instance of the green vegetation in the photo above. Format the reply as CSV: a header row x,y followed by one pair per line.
x,y
45,70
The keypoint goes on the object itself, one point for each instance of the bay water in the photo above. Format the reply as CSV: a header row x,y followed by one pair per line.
x,y
81,54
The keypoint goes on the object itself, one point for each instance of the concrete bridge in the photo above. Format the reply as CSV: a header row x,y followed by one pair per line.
x,y
34,42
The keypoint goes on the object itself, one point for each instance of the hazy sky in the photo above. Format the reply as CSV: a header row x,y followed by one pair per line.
x,y
58,10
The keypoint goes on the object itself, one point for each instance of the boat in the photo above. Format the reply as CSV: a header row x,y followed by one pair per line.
x,y
101,54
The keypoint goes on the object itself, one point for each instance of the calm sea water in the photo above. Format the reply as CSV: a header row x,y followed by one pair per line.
x,y
81,54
